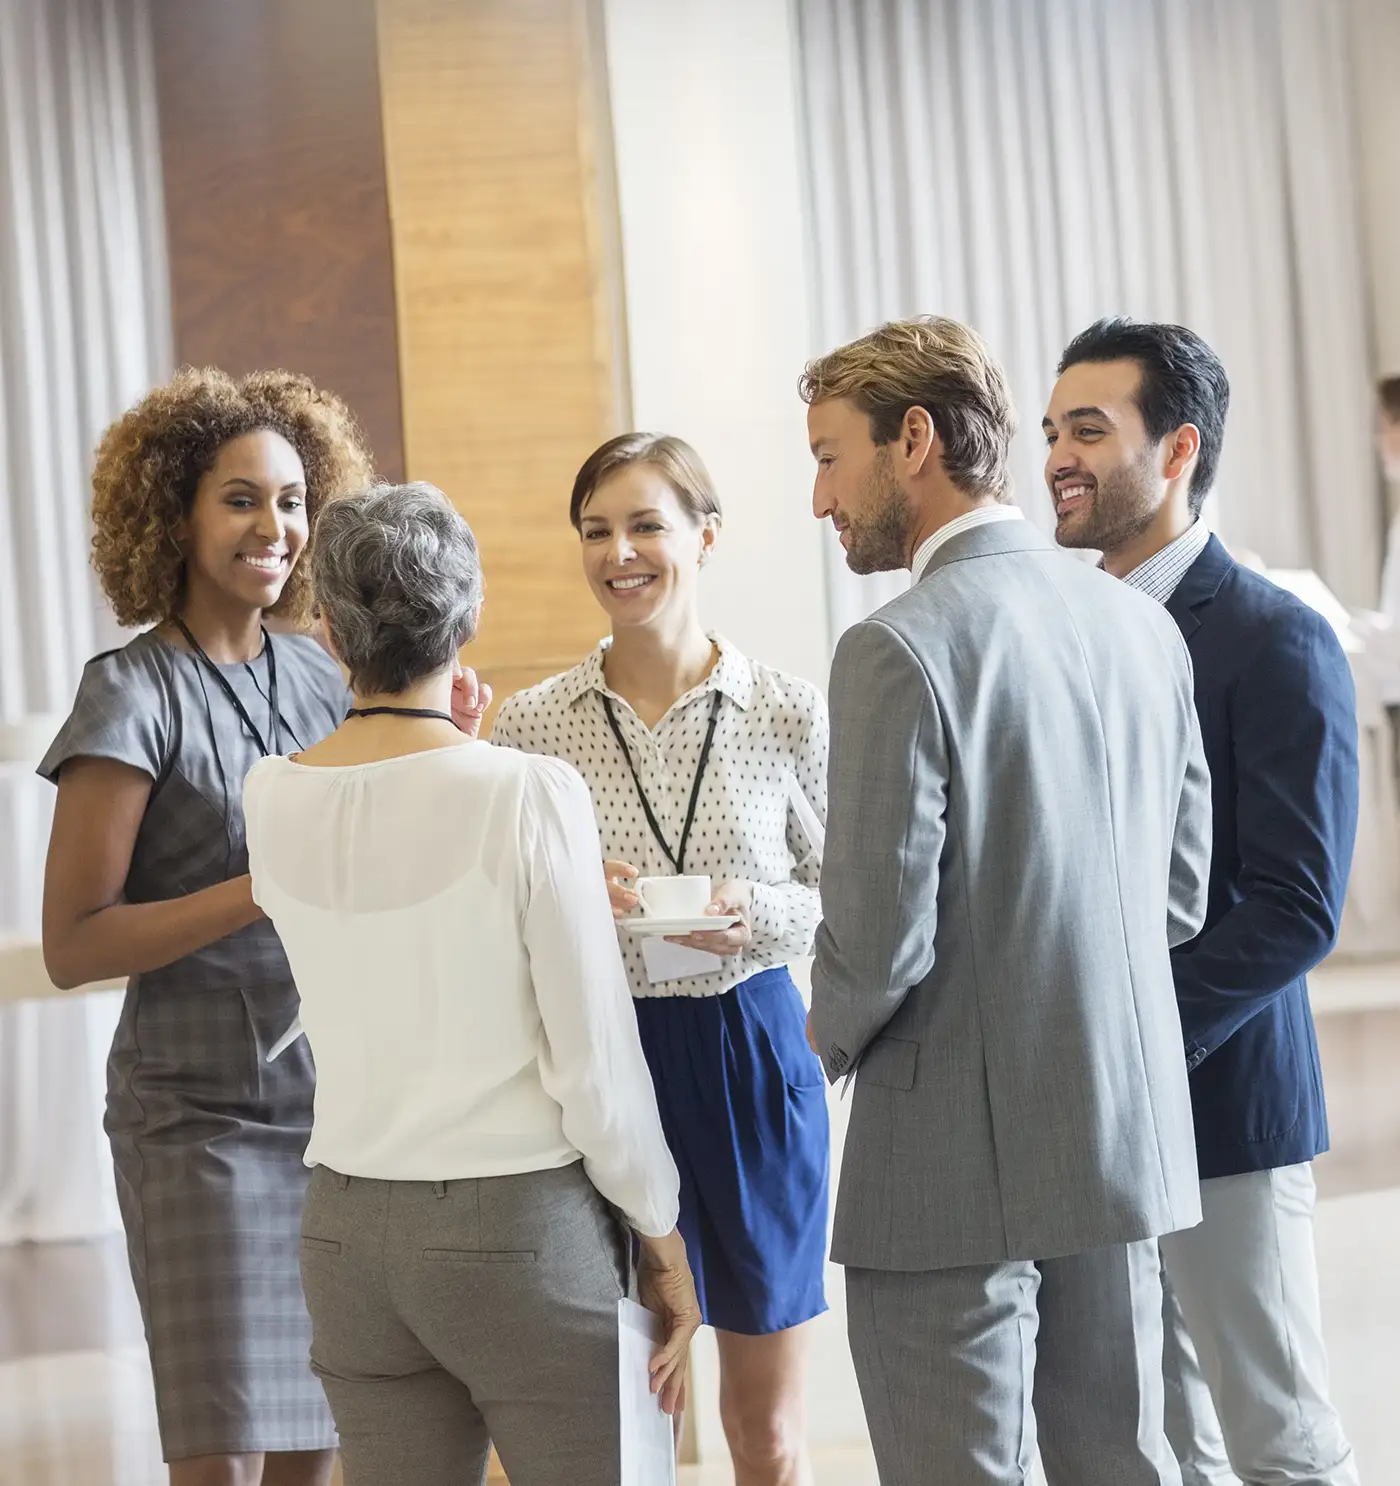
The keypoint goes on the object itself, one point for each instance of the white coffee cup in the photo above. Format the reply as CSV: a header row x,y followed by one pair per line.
x,y
674,897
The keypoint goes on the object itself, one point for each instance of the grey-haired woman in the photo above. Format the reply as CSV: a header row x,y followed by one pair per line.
x,y
483,1108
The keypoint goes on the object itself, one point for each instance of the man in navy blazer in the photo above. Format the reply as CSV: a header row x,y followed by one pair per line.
x,y
1134,428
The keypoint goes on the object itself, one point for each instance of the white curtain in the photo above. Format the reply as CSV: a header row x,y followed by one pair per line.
x,y
1029,165
84,331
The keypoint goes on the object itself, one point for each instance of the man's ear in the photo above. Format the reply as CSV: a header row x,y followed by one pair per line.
x,y
1182,448
918,441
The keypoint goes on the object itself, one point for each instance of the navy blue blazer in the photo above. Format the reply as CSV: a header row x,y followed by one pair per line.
x,y
1278,718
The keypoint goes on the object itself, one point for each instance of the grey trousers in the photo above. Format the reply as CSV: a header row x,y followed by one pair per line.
x,y
958,1367
1246,1368
448,1315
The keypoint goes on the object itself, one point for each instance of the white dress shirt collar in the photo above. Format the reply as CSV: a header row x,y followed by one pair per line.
x,y
982,516
732,674
1162,573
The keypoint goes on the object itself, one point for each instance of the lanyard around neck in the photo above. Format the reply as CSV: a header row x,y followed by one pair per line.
x,y
232,695
676,858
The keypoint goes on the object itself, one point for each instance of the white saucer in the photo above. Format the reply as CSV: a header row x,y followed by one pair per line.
x,y
651,928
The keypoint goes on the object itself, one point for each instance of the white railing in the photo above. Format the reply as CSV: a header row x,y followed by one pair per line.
x,y
23,977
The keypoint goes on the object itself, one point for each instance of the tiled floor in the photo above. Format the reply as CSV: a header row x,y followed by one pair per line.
x,y
75,1399
76,1409
86,1419
833,1468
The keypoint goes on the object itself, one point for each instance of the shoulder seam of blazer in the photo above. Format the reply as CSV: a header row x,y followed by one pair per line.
x,y
876,621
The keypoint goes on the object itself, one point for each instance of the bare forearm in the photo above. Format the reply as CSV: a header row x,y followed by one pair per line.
x,y
129,938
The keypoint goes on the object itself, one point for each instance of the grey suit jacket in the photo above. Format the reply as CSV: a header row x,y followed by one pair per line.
x,y
1019,827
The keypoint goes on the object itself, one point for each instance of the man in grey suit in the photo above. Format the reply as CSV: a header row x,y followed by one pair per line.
x,y
1019,827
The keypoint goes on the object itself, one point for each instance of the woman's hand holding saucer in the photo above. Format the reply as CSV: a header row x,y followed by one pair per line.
x,y
731,899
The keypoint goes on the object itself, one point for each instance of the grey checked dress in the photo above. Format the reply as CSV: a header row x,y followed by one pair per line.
x,y
207,1137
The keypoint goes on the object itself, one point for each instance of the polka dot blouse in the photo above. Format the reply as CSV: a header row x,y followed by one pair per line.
x,y
762,802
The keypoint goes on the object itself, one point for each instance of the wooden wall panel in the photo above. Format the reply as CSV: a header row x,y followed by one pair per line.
x,y
277,214
507,296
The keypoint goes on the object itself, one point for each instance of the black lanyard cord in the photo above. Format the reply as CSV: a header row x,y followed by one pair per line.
x,y
258,687
676,859
235,699
223,775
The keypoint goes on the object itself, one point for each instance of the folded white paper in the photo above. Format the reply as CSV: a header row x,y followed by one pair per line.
x,y
667,961
648,1438
284,1041
808,821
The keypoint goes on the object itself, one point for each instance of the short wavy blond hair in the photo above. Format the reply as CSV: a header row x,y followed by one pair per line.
x,y
938,365
151,459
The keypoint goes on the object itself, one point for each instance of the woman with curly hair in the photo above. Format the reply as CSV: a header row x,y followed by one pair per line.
x,y
205,496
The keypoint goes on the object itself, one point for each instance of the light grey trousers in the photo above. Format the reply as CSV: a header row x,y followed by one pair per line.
x,y
448,1315
1246,1368
958,1367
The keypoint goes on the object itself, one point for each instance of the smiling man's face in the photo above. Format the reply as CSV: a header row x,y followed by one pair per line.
x,y
1101,468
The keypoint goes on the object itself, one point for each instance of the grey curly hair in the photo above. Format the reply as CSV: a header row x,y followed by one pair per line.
x,y
397,579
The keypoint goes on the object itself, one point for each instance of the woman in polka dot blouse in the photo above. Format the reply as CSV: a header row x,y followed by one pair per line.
x,y
702,762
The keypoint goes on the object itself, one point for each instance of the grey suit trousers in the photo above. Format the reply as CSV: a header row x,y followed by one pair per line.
x,y
448,1315
958,1367
1246,1368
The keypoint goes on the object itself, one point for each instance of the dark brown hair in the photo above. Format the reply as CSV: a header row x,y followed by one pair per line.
x,y
1388,390
151,459
1181,381
681,467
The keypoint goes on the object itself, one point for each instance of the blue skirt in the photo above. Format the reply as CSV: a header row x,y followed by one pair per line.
x,y
743,1105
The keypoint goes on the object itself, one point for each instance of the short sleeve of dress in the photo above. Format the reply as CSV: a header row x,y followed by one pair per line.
x,y
123,711
313,688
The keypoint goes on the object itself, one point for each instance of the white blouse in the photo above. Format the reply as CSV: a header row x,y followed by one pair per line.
x,y
762,805
461,988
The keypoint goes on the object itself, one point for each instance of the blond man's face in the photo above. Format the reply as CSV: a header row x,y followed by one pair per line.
x,y
856,489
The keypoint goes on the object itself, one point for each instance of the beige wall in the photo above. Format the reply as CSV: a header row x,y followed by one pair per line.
x,y
506,296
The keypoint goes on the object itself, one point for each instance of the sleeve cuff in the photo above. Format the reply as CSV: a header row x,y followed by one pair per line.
x,y
767,916
776,921
655,1225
